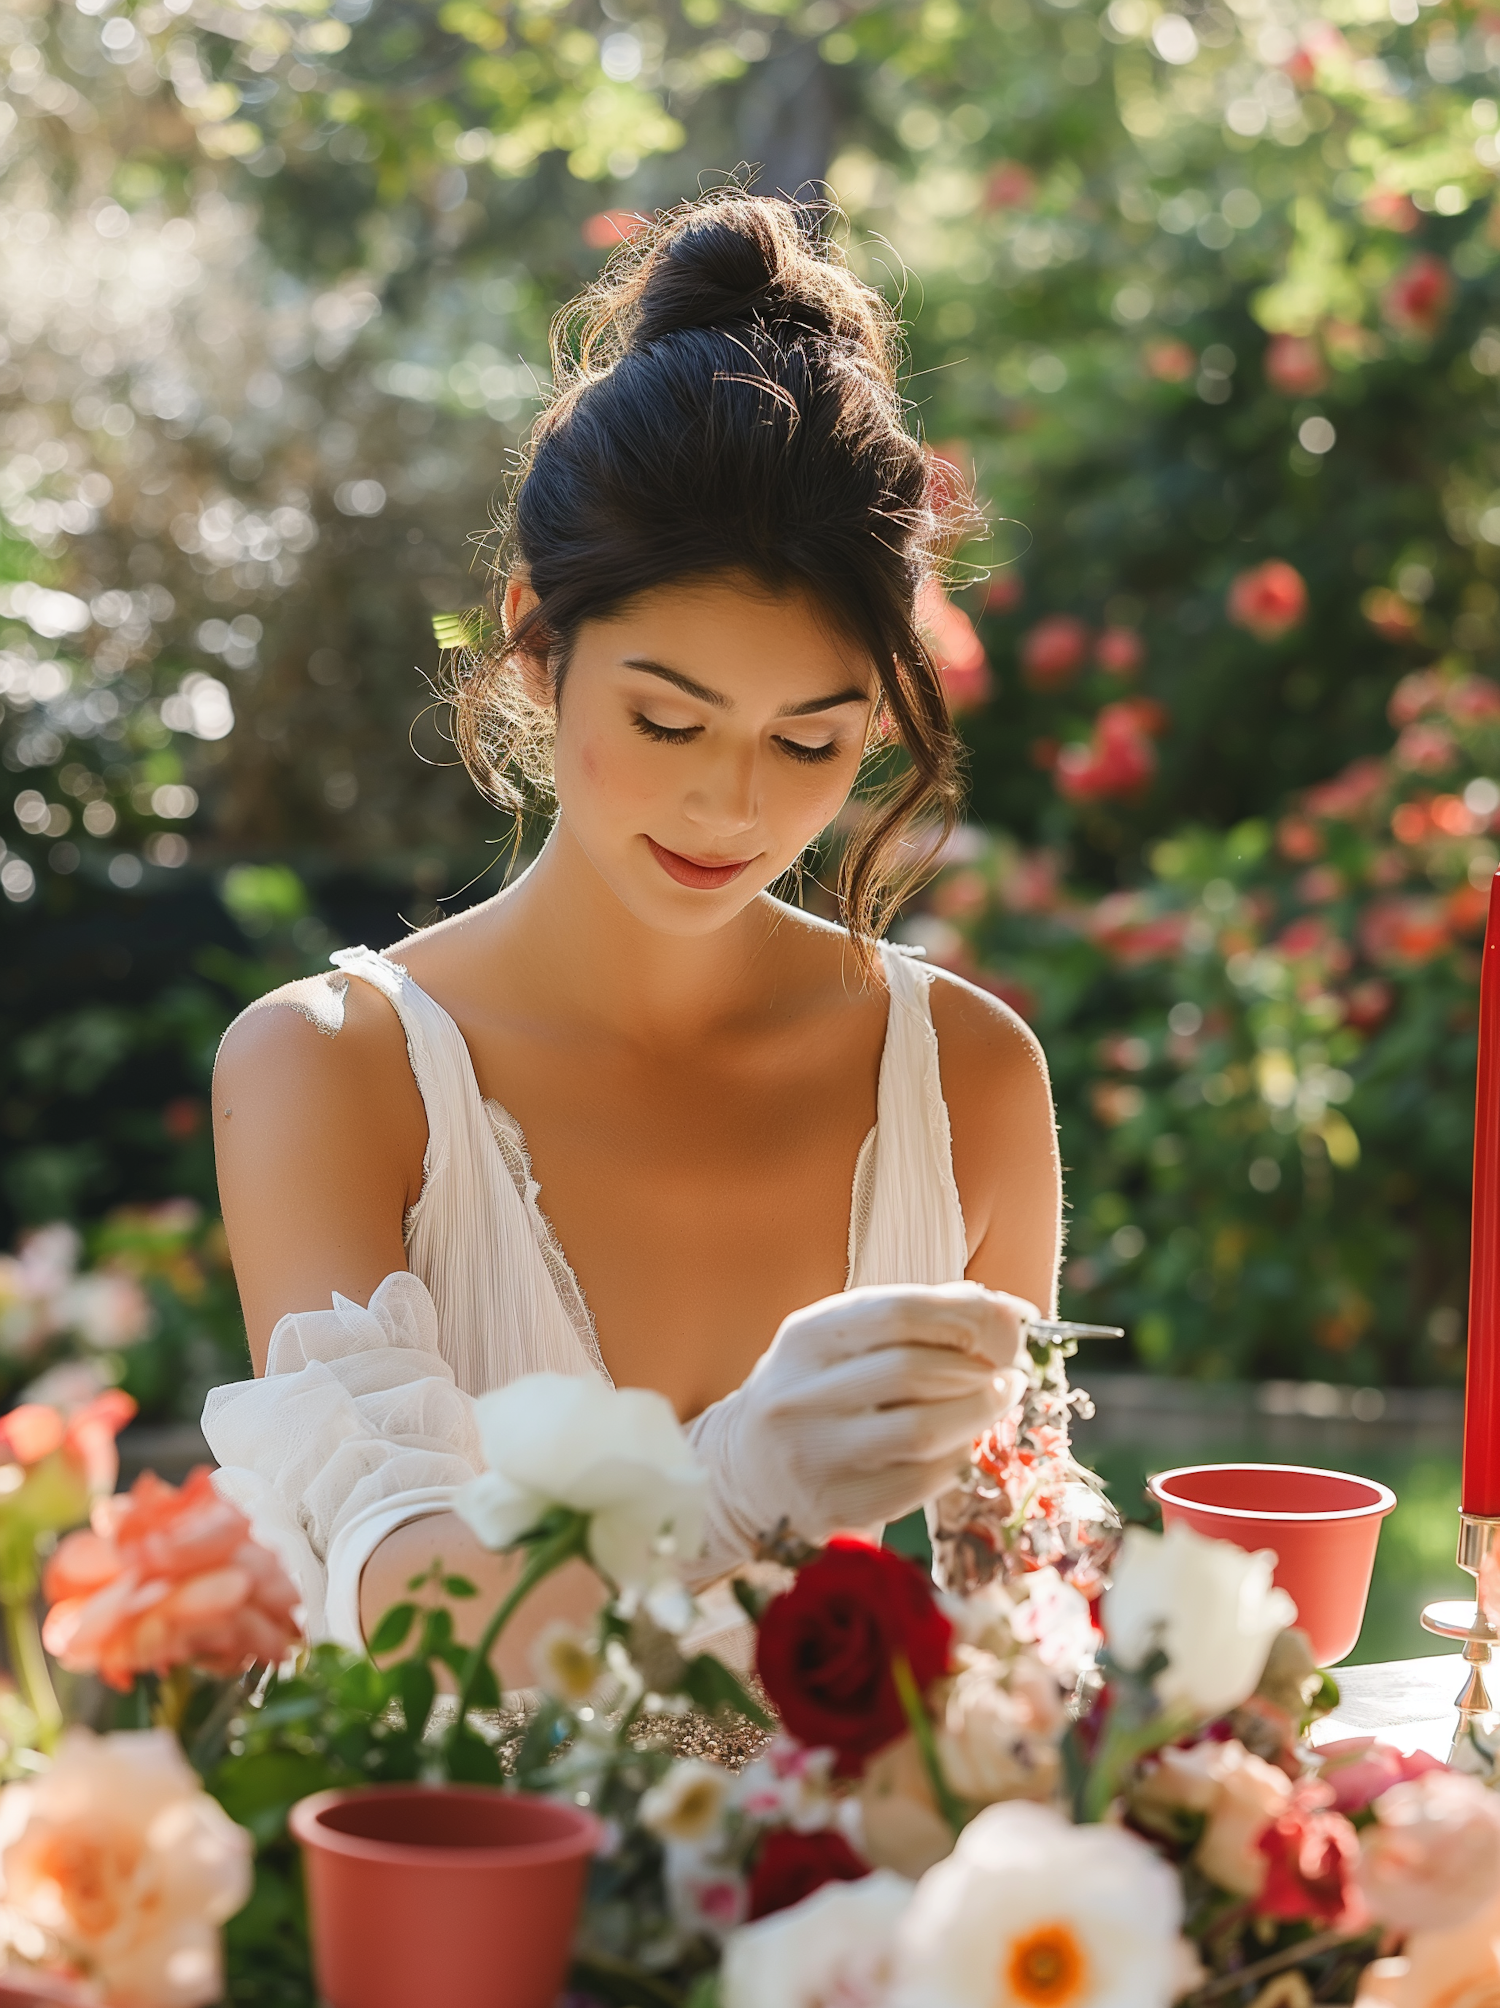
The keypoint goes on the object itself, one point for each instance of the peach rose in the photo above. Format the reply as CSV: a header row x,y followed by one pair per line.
x,y
900,1826
1239,1794
118,1865
1458,1968
167,1578
1432,1860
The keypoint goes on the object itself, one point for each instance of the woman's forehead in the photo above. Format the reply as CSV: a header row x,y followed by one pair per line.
x,y
729,634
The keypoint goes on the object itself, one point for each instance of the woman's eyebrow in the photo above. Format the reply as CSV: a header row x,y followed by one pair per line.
x,y
853,695
685,683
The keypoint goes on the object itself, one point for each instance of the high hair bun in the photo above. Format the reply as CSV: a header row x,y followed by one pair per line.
x,y
748,260
734,263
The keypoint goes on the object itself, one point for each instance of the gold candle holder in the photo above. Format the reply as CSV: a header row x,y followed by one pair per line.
x,y
1478,1541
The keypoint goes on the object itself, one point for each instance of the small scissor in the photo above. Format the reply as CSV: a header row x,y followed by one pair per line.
x,y
1065,1328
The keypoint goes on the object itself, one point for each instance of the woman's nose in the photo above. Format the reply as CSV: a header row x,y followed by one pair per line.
x,y
725,796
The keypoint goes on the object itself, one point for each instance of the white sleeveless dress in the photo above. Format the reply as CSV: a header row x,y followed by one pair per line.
x,y
364,1418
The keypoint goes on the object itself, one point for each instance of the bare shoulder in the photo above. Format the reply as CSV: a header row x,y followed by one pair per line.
x,y
987,1049
1005,1157
324,1035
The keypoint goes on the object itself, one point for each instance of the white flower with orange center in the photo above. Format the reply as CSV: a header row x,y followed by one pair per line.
x,y
1031,1912
832,1950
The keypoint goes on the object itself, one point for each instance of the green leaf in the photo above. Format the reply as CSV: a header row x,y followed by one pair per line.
x,y
256,1790
751,1600
459,1586
417,1691
469,1760
621,1985
469,629
709,1682
437,1634
546,1729
392,1629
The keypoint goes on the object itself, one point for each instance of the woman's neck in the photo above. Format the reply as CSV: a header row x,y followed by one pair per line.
x,y
581,954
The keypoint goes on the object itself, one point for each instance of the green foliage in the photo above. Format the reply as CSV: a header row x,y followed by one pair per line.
x,y
1264,1059
1188,292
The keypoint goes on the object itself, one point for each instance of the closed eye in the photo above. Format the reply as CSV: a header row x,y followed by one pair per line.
x,y
665,735
809,755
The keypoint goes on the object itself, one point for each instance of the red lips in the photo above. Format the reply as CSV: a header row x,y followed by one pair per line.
x,y
702,874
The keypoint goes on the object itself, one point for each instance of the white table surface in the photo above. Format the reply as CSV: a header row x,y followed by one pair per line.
x,y
1407,1702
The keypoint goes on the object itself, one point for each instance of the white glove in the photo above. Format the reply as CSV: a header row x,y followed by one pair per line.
x,y
864,1407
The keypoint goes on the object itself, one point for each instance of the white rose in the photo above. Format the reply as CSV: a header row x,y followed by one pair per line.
x,y
1029,1910
833,1947
997,1738
617,1454
1209,1606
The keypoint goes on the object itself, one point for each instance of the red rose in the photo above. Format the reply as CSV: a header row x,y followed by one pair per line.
x,y
1269,600
1417,300
1170,362
1009,186
1119,760
1294,365
1389,209
1053,652
791,1866
1311,1857
1119,651
825,1648
956,648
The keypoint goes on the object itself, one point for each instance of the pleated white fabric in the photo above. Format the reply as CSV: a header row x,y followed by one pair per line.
x,y
364,1418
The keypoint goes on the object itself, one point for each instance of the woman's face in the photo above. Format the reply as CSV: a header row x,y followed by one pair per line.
x,y
705,735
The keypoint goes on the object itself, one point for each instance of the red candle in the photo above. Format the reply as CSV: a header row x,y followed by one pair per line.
x,y
1481,1483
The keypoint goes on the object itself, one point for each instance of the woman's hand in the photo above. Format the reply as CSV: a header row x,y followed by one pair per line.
x,y
864,1407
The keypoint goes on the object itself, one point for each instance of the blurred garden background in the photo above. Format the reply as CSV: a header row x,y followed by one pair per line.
x,y
1204,301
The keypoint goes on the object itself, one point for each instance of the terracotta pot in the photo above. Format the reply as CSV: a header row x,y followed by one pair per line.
x,y
1322,1525
463,1895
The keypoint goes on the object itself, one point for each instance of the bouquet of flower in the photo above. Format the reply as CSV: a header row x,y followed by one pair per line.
x,y
1033,1794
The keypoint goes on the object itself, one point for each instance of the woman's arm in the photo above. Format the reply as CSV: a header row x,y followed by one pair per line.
x,y
573,1594
1005,1156
319,1140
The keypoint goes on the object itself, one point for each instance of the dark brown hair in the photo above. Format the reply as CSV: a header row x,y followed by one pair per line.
x,y
726,402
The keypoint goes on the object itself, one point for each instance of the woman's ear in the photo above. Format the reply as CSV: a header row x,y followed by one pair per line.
x,y
517,604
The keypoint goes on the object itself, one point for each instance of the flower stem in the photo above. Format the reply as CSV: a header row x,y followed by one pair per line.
x,y
1276,1962
920,1724
541,1559
28,1662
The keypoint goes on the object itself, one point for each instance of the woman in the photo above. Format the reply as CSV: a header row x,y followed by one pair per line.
x,y
728,1109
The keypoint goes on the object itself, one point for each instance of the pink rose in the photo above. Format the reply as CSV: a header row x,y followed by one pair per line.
x,y
1432,1860
1359,1769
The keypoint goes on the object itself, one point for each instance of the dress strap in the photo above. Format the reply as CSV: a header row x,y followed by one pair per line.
x,y
914,1230
440,1060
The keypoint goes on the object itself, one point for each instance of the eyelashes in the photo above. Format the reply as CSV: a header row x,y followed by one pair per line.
x,y
665,735
809,756
683,735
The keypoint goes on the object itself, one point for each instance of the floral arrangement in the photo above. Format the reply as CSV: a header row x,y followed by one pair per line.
x,y
145,1301
1081,1779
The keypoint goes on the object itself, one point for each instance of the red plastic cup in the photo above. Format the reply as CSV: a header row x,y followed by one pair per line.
x,y
1322,1525
465,1895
